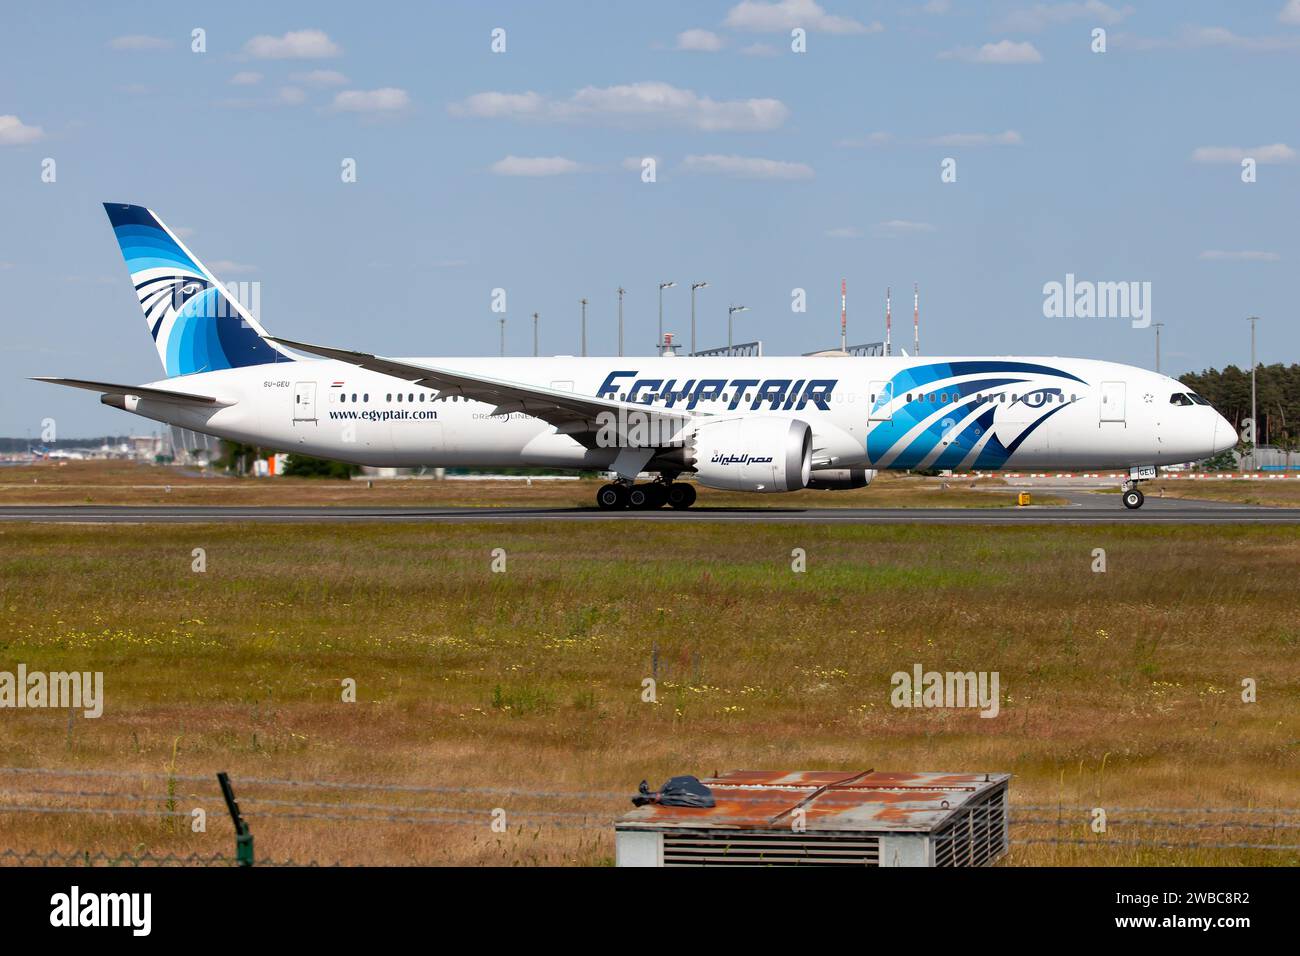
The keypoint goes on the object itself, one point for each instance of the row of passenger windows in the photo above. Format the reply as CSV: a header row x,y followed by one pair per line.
x,y
943,398
364,397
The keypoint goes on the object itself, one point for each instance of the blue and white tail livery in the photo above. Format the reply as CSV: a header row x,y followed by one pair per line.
x,y
195,323
760,424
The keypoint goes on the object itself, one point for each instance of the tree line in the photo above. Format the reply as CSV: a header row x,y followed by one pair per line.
x,y
1277,398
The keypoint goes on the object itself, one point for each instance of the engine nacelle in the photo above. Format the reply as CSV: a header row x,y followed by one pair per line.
x,y
760,453
841,479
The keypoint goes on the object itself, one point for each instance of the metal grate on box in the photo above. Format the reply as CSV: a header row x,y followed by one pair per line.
x,y
977,836
768,848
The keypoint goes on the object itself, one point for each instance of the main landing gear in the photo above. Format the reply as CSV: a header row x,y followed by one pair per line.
x,y
645,497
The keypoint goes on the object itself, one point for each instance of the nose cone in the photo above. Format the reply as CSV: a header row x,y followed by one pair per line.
x,y
1225,436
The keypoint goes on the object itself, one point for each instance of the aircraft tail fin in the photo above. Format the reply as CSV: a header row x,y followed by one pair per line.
x,y
196,324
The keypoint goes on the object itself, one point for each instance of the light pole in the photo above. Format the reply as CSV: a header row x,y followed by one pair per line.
x,y
1157,326
535,352
584,326
694,286
502,320
621,290
659,346
731,311
1254,425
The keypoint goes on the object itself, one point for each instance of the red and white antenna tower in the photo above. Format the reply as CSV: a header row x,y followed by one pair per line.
x,y
889,322
916,319
844,315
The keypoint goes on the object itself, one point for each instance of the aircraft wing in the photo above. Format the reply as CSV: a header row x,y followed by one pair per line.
x,y
141,391
571,413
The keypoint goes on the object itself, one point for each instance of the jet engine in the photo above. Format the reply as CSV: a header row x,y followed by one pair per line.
x,y
760,453
841,479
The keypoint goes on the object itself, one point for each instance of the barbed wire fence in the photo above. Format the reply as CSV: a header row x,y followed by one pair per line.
x,y
136,794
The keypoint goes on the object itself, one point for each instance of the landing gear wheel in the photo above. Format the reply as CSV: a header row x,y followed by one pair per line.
x,y
611,497
644,497
681,494
1133,499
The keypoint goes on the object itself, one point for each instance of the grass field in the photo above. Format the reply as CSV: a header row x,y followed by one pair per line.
x,y
1119,689
128,483
1274,493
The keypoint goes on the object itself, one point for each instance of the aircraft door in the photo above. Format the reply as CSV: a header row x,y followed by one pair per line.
x,y
1112,401
304,402
881,397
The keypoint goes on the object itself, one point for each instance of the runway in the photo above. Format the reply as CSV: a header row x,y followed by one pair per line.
x,y
1082,510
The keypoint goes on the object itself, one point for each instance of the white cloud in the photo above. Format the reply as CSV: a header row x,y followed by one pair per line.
x,y
139,41
1275,153
294,45
899,227
844,232
699,41
1197,38
1290,14
387,100
534,166
937,7
14,132
747,167
290,96
1044,15
878,138
320,78
1002,52
782,16
633,103
1008,138
246,78
1244,255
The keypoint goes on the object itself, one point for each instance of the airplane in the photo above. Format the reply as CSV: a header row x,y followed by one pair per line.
x,y
755,424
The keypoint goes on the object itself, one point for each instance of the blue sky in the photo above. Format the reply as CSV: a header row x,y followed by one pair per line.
x,y
775,170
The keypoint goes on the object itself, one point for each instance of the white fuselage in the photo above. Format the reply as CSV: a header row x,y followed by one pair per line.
x,y
894,412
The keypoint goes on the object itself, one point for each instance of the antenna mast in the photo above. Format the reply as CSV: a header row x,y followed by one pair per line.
x,y
916,319
889,322
844,315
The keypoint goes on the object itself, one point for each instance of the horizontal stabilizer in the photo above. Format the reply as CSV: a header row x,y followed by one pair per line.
x,y
141,391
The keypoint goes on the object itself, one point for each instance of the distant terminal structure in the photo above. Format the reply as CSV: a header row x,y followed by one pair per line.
x,y
749,349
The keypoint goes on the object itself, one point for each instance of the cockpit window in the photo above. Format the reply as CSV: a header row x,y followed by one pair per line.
x,y
1197,399
1178,398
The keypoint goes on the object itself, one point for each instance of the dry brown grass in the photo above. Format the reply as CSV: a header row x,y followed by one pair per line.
x,y
1269,492
127,483
1120,689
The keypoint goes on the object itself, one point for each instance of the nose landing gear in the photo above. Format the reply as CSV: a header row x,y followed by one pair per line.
x,y
1129,492
1133,498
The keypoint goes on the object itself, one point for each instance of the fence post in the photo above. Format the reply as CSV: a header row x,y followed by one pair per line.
x,y
243,836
